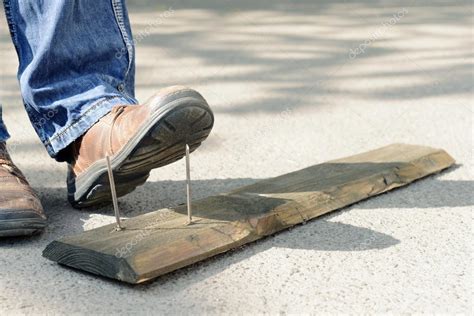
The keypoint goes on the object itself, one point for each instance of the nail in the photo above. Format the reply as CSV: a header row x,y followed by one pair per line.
x,y
114,195
188,186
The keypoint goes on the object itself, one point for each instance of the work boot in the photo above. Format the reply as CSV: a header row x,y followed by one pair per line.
x,y
137,139
21,212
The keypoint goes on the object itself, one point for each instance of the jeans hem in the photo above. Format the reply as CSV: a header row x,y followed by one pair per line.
x,y
92,113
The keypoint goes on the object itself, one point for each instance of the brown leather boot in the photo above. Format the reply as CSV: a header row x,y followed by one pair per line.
x,y
21,212
137,138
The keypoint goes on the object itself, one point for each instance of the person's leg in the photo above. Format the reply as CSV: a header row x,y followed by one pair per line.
x,y
21,212
76,63
77,81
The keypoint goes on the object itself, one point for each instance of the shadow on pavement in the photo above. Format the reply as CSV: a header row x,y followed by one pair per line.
x,y
321,234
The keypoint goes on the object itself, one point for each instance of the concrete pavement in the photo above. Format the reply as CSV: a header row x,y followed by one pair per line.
x,y
292,84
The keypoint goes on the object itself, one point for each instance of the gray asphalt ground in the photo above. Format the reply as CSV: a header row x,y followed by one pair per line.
x,y
289,89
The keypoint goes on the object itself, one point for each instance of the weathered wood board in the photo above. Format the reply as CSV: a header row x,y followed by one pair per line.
x,y
159,242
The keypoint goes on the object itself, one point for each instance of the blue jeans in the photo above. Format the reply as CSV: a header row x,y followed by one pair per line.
x,y
76,62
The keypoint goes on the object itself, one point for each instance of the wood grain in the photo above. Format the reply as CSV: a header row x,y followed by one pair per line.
x,y
159,242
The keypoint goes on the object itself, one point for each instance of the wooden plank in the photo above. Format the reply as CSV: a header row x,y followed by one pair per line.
x,y
159,242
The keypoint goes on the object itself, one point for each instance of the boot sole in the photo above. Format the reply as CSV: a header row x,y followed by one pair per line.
x,y
161,141
28,224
